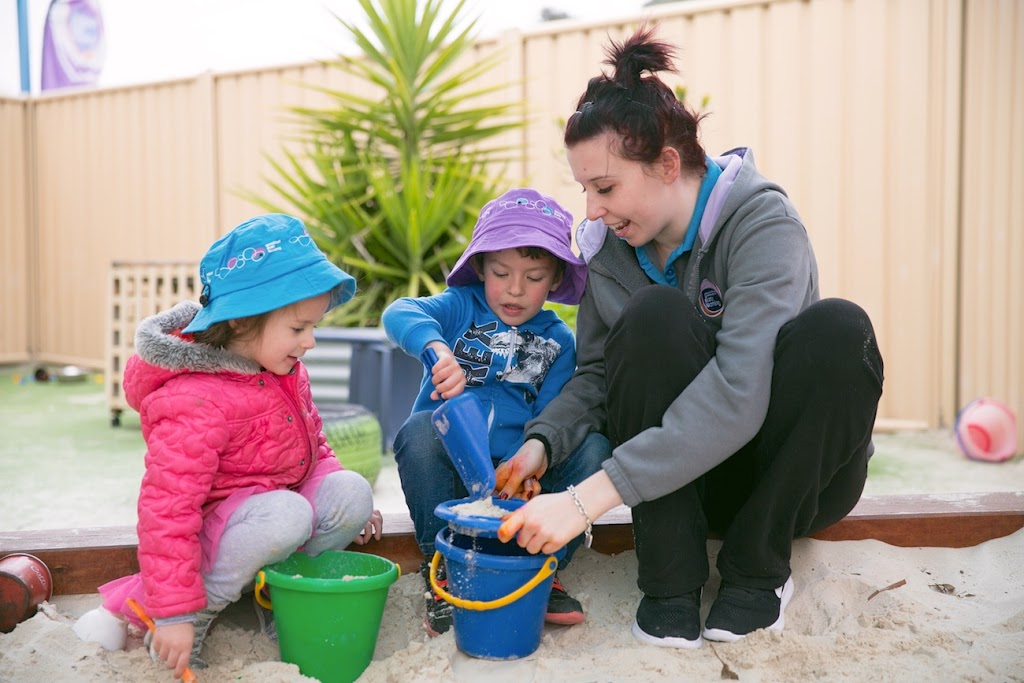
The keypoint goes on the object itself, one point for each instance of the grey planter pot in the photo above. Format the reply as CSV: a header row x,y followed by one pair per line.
x,y
360,365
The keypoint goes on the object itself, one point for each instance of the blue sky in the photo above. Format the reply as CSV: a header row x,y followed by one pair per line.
x,y
153,40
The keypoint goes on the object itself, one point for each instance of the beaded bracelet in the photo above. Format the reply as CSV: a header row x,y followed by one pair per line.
x,y
588,535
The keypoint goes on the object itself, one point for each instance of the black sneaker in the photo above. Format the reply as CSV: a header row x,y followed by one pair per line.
x,y
669,622
563,608
738,611
439,612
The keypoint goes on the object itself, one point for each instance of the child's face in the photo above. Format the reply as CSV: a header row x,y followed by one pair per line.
x,y
286,337
516,286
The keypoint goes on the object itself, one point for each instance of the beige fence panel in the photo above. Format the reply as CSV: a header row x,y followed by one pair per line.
x,y
16,254
121,174
136,291
853,107
847,107
255,121
991,296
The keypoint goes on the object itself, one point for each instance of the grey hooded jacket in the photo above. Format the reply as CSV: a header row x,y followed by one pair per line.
x,y
750,271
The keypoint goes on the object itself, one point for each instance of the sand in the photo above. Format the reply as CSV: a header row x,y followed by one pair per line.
x,y
955,615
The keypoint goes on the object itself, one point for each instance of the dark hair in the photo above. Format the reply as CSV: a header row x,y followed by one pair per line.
x,y
221,334
642,110
536,253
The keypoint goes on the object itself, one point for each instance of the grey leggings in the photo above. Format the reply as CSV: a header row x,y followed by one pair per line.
x,y
268,527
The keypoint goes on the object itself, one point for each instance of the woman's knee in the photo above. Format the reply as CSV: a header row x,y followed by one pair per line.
x,y
657,325
832,336
834,321
648,304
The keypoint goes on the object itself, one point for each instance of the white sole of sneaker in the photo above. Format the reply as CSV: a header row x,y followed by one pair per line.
x,y
785,594
677,643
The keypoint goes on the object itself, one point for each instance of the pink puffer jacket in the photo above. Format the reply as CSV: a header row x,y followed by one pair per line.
x,y
218,429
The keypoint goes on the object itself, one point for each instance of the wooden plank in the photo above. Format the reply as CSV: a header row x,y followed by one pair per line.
x,y
949,520
79,559
82,559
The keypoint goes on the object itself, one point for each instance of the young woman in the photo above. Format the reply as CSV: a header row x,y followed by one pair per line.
x,y
735,400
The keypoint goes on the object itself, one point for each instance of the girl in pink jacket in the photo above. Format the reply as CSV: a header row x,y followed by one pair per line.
x,y
238,471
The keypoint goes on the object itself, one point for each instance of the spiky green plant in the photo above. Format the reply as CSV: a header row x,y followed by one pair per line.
x,y
391,185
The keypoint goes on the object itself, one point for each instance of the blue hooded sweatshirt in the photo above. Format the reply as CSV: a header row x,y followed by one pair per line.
x,y
515,371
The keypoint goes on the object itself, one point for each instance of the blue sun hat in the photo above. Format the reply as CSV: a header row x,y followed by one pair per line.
x,y
265,263
525,218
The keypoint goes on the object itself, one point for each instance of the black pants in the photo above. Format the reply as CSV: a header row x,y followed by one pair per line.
x,y
803,471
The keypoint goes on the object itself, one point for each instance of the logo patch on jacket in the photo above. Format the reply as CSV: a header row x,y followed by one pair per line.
x,y
710,299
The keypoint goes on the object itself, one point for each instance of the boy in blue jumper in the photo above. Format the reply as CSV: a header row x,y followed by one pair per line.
x,y
492,337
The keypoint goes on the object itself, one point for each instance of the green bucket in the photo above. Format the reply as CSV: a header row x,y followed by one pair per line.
x,y
328,609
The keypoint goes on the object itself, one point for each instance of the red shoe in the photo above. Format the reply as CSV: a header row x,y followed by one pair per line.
x,y
563,609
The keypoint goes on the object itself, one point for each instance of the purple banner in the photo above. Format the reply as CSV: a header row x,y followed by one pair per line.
x,y
74,47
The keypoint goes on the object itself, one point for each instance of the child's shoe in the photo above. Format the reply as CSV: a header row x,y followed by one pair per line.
x,y
102,626
439,613
563,608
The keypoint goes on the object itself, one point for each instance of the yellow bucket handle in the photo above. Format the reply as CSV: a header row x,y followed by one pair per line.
x,y
546,570
261,581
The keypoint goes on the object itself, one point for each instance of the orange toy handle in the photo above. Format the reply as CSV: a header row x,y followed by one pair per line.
x,y
187,676
141,614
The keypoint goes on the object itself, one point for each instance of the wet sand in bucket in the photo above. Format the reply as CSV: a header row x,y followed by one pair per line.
x,y
484,507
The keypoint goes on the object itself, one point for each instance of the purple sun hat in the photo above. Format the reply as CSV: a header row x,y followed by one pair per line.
x,y
525,218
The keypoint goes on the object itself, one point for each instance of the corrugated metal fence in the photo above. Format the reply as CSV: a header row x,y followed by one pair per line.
x,y
897,128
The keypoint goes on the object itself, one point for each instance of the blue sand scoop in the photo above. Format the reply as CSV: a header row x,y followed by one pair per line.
x,y
461,424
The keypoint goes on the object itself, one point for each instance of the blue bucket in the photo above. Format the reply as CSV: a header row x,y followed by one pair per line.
x,y
499,592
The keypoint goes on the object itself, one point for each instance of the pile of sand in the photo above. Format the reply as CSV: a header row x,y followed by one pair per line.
x,y
958,616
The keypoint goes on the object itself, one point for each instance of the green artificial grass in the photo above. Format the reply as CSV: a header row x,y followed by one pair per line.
x,y
61,461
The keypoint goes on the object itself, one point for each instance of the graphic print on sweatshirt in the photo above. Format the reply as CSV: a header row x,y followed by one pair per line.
x,y
519,356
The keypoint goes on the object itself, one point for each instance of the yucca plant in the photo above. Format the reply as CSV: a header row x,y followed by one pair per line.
x,y
391,185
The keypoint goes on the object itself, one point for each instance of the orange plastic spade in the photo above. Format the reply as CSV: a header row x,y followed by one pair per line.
x,y
187,676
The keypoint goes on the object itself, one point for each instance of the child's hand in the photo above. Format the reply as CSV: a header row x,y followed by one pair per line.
x,y
518,476
372,529
173,644
448,377
529,489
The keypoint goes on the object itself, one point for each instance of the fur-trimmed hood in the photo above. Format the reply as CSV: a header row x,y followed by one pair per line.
x,y
159,342
163,353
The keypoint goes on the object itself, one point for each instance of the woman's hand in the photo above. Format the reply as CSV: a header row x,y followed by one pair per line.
x,y
447,375
173,644
372,529
518,476
544,524
549,521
